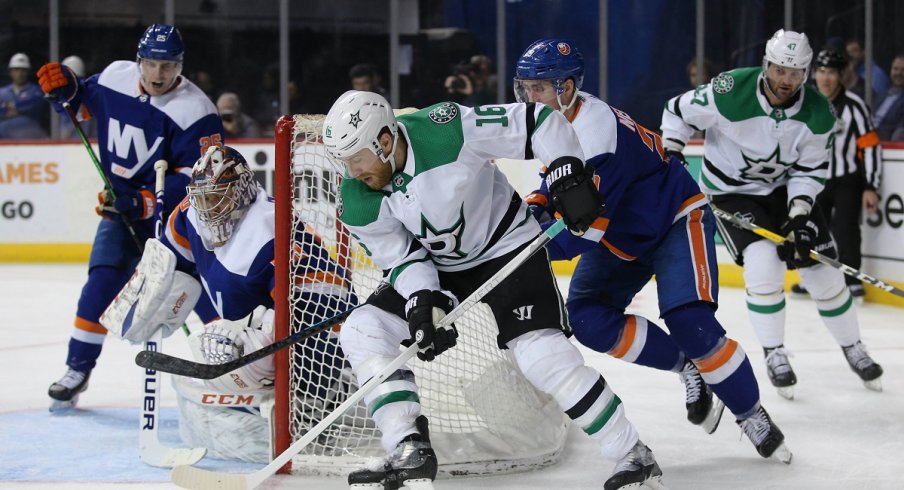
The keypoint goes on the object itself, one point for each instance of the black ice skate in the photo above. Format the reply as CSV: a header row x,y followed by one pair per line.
x,y
862,364
765,436
411,464
703,408
636,469
65,392
780,373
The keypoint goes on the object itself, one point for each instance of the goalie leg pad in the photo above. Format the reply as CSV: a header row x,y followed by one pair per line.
x,y
555,366
157,296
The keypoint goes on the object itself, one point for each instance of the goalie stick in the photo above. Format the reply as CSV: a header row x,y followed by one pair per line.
x,y
183,367
200,479
775,237
150,450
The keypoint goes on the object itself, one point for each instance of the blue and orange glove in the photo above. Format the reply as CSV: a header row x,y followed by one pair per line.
x,y
134,206
58,82
538,204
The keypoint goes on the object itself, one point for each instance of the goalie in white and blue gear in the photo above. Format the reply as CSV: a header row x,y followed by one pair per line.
x,y
766,157
656,221
434,213
223,235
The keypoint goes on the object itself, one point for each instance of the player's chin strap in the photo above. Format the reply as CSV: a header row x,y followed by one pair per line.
x,y
391,158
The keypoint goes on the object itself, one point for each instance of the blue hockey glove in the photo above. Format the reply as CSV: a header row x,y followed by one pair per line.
x,y
58,82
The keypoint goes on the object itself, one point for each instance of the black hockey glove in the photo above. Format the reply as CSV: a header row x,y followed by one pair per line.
x,y
425,309
574,194
800,232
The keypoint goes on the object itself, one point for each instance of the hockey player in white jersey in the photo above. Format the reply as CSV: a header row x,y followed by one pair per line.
x,y
439,218
146,111
766,157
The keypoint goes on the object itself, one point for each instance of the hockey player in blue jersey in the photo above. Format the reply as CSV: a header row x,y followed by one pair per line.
x,y
146,111
655,221
222,234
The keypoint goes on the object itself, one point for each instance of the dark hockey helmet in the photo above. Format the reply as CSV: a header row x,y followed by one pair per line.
x,y
553,59
831,58
161,42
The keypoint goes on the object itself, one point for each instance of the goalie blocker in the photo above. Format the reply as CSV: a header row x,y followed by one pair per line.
x,y
157,296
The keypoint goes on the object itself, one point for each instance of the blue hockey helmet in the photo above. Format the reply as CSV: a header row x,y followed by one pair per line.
x,y
553,59
161,42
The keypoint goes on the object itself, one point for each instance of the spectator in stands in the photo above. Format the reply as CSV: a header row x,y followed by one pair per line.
x,y
67,130
854,48
205,82
23,112
889,116
365,77
484,80
236,123
707,75
853,82
266,108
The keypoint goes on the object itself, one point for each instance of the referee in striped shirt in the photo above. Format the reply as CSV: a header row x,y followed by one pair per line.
x,y
856,165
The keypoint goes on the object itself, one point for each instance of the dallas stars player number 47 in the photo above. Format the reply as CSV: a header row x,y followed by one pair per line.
x,y
766,157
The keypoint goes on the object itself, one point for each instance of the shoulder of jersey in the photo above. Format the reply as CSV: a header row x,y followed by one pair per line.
x,y
121,76
437,114
734,81
818,111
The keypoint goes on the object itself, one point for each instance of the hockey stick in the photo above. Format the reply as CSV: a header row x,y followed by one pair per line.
x,y
775,237
107,184
184,367
199,479
149,448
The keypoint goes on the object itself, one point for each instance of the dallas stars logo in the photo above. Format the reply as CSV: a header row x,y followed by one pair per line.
x,y
443,114
355,119
445,243
767,169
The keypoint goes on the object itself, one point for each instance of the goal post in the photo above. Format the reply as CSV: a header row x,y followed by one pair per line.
x,y
485,418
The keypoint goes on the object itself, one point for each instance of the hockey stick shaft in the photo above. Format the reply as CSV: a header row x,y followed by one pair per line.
x,y
775,237
150,450
183,367
67,108
198,479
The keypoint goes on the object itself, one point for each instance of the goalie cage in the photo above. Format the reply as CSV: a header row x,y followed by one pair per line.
x,y
485,417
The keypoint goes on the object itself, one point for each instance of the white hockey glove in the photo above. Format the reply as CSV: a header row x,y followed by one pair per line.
x,y
156,297
221,341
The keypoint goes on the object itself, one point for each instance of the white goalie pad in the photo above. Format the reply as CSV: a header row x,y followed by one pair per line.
x,y
157,296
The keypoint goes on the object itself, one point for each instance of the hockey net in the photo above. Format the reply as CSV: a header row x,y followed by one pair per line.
x,y
485,418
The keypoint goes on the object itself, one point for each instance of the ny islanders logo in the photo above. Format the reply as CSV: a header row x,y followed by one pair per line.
x,y
564,48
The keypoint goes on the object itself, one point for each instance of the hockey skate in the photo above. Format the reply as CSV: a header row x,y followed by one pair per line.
x,y
636,469
862,364
780,373
703,408
65,392
765,436
411,465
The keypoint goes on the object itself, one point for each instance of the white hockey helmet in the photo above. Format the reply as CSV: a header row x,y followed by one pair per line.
x,y
789,49
355,122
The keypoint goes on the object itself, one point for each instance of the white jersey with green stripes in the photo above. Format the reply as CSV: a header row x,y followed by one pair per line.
x,y
450,208
751,147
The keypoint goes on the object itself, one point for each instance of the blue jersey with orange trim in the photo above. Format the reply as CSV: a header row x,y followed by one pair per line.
x,y
644,190
135,129
239,276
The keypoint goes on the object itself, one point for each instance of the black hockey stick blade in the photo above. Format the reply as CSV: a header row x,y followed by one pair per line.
x,y
183,367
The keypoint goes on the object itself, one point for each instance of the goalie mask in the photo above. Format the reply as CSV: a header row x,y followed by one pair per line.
x,y
222,188
552,59
355,122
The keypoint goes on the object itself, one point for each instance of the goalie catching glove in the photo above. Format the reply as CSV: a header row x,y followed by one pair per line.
x,y
222,341
574,194
800,232
425,309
